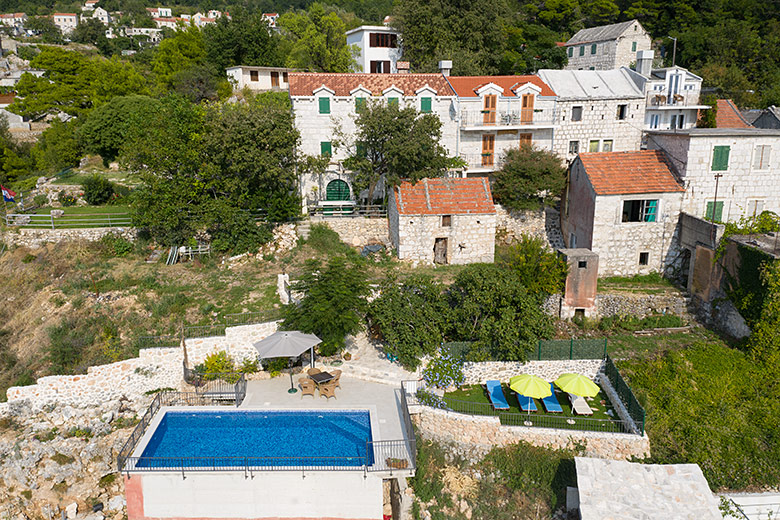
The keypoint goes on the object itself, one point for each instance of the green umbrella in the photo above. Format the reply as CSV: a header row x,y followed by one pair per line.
x,y
577,384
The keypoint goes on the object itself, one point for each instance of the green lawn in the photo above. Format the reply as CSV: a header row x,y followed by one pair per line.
x,y
74,178
85,210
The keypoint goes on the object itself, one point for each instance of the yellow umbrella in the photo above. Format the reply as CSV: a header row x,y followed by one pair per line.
x,y
577,384
530,386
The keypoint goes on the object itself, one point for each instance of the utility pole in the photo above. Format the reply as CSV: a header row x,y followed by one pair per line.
x,y
715,209
674,50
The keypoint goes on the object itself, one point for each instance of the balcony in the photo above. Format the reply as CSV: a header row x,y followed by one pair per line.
x,y
507,120
660,99
482,162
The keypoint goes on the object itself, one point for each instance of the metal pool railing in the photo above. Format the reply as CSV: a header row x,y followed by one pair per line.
x,y
197,464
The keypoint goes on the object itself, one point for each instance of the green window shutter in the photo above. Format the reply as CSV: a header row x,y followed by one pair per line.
x,y
571,52
326,148
360,149
360,104
324,105
633,46
425,105
393,101
720,158
593,49
650,210
582,50
718,217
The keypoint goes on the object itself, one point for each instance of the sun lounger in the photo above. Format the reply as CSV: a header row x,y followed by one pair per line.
x,y
579,405
527,404
551,403
496,395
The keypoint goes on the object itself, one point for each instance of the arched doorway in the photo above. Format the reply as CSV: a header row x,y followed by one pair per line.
x,y
337,190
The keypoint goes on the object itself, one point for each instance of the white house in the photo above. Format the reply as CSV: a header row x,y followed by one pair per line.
x,y
154,34
89,5
259,78
624,207
607,47
66,22
160,12
379,48
167,22
596,111
271,19
13,19
326,105
102,15
728,173
500,112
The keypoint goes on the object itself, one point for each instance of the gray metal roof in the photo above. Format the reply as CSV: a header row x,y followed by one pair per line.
x,y
600,33
721,132
591,84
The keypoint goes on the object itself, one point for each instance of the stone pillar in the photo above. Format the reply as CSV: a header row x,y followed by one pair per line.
x,y
579,295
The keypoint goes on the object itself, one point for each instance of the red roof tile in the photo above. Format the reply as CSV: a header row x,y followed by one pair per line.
x,y
304,83
449,196
729,116
623,173
466,86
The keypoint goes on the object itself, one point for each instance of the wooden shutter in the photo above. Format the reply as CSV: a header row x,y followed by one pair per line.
x,y
720,158
526,139
718,216
425,105
372,39
360,104
373,67
488,146
386,67
393,101
527,110
489,112
324,105
274,79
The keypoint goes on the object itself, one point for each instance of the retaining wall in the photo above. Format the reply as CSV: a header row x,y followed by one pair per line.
x,y
478,373
36,237
358,231
237,342
514,223
633,304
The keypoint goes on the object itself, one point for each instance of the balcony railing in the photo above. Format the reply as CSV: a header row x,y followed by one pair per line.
x,y
522,117
482,161
661,98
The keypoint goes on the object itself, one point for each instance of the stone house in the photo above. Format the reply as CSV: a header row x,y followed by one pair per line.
x,y
624,207
729,116
259,78
606,47
13,19
766,118
597,111
443,221
496,113
66,22
326,106
729,173
379,48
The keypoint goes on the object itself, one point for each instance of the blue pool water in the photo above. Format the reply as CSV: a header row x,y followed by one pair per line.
x,y
260,438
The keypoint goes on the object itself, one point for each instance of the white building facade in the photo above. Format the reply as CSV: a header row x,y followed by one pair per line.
x,y
259,78
607,47
66,22
379,48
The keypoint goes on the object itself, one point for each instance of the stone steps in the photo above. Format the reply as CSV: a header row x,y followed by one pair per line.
x,y
303,228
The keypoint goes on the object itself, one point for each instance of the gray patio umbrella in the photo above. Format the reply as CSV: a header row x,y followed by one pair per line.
x,y
289,344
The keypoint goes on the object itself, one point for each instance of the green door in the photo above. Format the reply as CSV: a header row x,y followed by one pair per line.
x,y
337,190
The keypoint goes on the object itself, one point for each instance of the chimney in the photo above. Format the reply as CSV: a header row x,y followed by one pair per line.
x,y
402,66
445,66
644,62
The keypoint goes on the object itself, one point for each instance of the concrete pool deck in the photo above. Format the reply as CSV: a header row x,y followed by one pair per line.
x,y
384,400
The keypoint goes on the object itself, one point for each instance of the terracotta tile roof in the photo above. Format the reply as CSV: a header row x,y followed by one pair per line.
x,y
466,86
445,197
65,14
304,83
729,116
623,173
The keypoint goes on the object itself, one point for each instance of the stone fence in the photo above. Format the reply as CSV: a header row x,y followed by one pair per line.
x,y
478,373
630,304
358,231
36,237
513,223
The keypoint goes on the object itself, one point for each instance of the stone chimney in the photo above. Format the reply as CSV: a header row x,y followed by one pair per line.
x,y
644,62
445,66
402,66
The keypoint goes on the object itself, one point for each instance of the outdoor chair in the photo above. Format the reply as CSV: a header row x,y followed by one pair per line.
x,y
527,404
307,386
496,395
313,371
551,403
328,390
336,378
579,405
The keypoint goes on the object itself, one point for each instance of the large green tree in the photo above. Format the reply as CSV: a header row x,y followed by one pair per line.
x,y
317,40
178,52
243,40
528,178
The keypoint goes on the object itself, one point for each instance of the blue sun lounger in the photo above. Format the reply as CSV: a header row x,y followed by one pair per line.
x,y
527,404
551,403
496,395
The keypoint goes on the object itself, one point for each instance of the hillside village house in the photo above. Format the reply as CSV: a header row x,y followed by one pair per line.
x,y
66,22
496,113
323,104
271,19
597,111
379,48
443,221
160,12
607,47
625,208
89,5
728,173
13,19
97,13
259,78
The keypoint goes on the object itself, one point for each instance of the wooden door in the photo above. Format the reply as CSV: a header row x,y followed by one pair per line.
x,y
488,147
274,79
440,251
489,111
527,110
525,139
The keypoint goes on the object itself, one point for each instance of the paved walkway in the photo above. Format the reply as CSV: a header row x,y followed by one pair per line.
x,y
370,363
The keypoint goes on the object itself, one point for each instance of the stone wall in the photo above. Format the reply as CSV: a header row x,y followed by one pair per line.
x,y
36,237
237,342
511,224
479,434
478,373
358,231
617,304
470,238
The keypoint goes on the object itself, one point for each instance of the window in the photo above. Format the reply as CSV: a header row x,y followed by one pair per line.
x,y
593,146
622,110
574,147
644,258
284,77
393,101
640,210
633,46
761,157
606,145
582,50
754,208
254,75
582,264
380,67
720,158
425,105
677,121
274,79
446,220
571,52
525,140
654,120
593,49
576,113
324,105
326,148
382,40
717,214
360,104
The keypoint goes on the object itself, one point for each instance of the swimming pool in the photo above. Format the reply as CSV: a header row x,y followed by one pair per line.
x,y
207,439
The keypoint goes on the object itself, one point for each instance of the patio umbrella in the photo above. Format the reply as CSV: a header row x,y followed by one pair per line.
x,y
577,384
530,386
289,344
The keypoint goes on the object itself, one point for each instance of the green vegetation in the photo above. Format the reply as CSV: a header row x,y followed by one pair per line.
x,y
62,459
542,271
529,178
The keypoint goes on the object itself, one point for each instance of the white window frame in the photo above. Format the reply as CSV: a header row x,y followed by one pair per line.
x,y
765,157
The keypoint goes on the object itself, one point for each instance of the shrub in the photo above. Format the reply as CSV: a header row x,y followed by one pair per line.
x,y
274,366
326,241
116,245
540,270
66,199
249,366
67,343
430,399
529,178
444,371
216,363
40,200
97,189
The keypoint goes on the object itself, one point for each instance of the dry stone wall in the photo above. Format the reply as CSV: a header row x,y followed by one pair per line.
x,y
358,231
34,238
511,224
630,304
478,373
237,342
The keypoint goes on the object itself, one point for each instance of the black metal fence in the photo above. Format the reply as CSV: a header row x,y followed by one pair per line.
x,y
138,431
626,396
558,422
392,455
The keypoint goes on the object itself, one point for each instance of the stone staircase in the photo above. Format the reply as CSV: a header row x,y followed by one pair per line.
x,y
552,227
303,228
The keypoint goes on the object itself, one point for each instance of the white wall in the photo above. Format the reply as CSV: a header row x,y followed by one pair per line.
x,y
369,54
417,235
241,77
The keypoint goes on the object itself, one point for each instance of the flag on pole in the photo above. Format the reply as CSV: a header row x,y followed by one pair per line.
x,y
8,195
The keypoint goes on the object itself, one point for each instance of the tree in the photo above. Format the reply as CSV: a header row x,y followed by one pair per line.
x,y
97,189
89,31
318,42
176,53
45,29
530,47
708,118
492,308
58,147
197,83
538,268
242,40
394,144
528,178
333,303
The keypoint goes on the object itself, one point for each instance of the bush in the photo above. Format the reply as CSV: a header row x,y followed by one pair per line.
x,y
541,271
274,366
40,200
529,178
444,371
116,245
326,241
216,363
97,190
67,344
66,199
